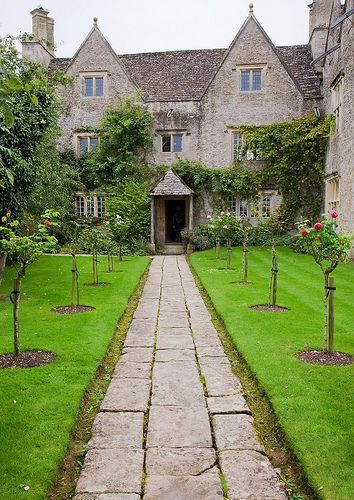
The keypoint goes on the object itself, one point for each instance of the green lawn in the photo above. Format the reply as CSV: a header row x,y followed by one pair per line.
x,y
314,404
38,406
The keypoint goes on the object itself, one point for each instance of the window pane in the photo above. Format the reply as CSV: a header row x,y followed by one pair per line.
x,y
99,86
266,206
245,80
232,204
177,143
90,206
257,79
88,86
166,143
243,208
100,206
83,145
80,207
238,140
93,143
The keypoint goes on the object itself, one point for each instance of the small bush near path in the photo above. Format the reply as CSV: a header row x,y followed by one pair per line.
x,y
312,402
38,406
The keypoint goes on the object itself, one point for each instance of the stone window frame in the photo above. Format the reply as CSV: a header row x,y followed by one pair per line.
x,y
90,204
253,208
94,75
238,153
171,134
332,189
84,135
251,68
337,101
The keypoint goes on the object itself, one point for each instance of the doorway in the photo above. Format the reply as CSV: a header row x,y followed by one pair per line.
x,y
175,218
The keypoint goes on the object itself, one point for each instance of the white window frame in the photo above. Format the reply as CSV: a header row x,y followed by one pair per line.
x,y
332,193
254,206
171,135
90,205
93,75
85,135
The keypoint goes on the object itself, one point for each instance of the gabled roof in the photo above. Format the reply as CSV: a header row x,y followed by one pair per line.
x,y
187,74
171,185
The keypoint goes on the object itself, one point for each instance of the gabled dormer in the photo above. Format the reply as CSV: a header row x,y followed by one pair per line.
x,y
97,69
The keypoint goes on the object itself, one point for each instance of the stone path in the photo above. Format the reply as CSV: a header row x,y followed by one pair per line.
x,y
174,417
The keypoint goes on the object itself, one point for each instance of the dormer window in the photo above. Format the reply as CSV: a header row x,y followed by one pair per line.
x,y
93,85
251,80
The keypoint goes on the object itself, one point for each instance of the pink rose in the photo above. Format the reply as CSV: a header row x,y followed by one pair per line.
x,y
47,223
333,214
318,226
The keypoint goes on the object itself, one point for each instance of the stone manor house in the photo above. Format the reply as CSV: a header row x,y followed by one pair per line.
x,y
198,97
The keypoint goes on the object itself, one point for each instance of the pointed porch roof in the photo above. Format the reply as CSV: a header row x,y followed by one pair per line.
x,y
171,185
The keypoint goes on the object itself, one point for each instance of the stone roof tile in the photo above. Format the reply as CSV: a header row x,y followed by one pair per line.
x,y
171,184
183,75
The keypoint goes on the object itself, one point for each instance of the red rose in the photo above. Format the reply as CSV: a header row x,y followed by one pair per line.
x,y
47,223
318,226
304,232
333,214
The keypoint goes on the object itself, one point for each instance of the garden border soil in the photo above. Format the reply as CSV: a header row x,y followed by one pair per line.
x,y
317,357
26,359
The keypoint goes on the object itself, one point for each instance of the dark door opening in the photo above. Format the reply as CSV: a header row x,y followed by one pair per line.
x,y
175,211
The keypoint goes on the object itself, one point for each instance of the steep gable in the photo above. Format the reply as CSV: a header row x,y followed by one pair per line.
x,y
96,55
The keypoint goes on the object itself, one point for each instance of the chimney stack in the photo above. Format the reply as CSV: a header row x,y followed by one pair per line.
x,y
40,47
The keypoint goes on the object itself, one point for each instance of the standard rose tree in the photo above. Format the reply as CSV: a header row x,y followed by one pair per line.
x,y
328,247
24,250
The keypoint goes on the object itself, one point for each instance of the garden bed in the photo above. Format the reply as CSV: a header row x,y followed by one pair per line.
x,y
311,402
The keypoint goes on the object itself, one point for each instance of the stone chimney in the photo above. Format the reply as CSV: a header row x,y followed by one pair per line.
x,y
40,47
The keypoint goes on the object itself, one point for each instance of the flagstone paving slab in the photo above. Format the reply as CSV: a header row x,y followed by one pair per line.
x,y
109,471
117,430
227,404
107,496
130,394
174,427
250,476
175,341
179,461
163,355
220,381
204,487
214,352
176,383
137,354
235,432
130,369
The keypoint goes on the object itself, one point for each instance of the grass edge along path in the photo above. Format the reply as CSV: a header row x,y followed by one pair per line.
x,y
266,423
311,402
39,406
63,487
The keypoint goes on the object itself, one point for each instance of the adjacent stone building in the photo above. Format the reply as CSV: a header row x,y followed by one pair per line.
x,y
199,97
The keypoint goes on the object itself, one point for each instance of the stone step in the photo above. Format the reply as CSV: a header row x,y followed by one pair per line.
x,y
173,249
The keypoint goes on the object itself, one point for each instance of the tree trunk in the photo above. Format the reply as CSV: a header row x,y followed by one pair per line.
x,y
94,267
120,257
109,262
325,311
273,278
229,251
74,282
2,266
331,315
217,248
245,262
112,263
16,313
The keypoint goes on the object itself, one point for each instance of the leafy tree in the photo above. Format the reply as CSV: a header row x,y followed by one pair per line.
x,y
24,250
328,247
31,97
223,227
